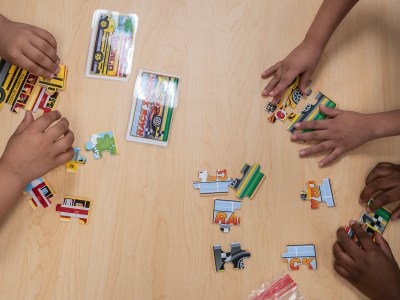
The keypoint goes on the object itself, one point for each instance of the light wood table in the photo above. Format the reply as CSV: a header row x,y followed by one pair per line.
x,y
150,234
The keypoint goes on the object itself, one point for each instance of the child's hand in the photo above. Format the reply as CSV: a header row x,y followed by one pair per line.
x,y
372,269
36,147
384,178
345,131
29,47
301,61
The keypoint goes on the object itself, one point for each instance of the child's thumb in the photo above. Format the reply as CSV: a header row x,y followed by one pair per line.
x,y
28,119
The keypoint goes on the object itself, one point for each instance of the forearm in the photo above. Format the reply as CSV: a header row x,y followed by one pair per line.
x,y
383,124
10,189
329,16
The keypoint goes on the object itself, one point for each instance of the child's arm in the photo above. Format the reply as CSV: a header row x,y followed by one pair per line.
x,y
303,60
34,149
371,268
382,183
344,131
29,47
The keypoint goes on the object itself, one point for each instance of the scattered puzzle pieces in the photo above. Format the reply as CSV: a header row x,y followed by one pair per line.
x,y
297,255
40,191
22,89
224,213
236,256
318,193
72,165
209,185
102,141
250,182
74,207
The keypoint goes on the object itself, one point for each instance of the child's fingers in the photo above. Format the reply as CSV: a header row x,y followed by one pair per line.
x,y
65,142
41,59
380,183
364,239
65,157
315,149
342,271
26,63
58,130
312,125
271,70
28,119
384,245
396,214
45,48
348,246
286,79
335,154
47,36
341,256
44,121
330,111
387,197
382,169
273,82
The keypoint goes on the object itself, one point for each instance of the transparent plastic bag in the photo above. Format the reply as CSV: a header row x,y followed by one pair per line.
x,y
283,288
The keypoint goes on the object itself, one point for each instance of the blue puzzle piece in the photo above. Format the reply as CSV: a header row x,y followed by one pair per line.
x,y
297,255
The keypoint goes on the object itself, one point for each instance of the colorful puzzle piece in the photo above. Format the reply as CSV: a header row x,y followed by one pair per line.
x,y
224,213
318,193
297,255
376,221
72,165
209,185
236,256
250,182
74,207
102,141
22,89
40,192
59,81
291,98
311,112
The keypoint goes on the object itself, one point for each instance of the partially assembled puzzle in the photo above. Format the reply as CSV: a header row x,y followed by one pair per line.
x,y
74,207
40,192
22,89
102,141
209,185
318,193
297,255
224,213
236,256
291,98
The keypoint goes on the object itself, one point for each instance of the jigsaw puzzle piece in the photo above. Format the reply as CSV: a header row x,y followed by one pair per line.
x,y
59,81
209,185
40,192
297,255
376,221
74,207
318,193
224,213
251,181
102,141
236,256
72,165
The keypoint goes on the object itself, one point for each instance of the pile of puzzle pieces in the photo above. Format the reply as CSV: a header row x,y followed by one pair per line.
x,y
224,210
22,89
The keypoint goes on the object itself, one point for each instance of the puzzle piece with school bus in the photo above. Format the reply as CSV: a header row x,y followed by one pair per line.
x,y
22,89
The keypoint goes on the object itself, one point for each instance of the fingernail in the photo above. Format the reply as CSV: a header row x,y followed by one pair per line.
x,y
352,222
368,210
271,94
57,70
360,201
320,164
58,61
293,137
297,125
51,76
301,153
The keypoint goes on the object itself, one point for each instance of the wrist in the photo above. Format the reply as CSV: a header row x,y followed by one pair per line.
x,y
372,132
11,177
